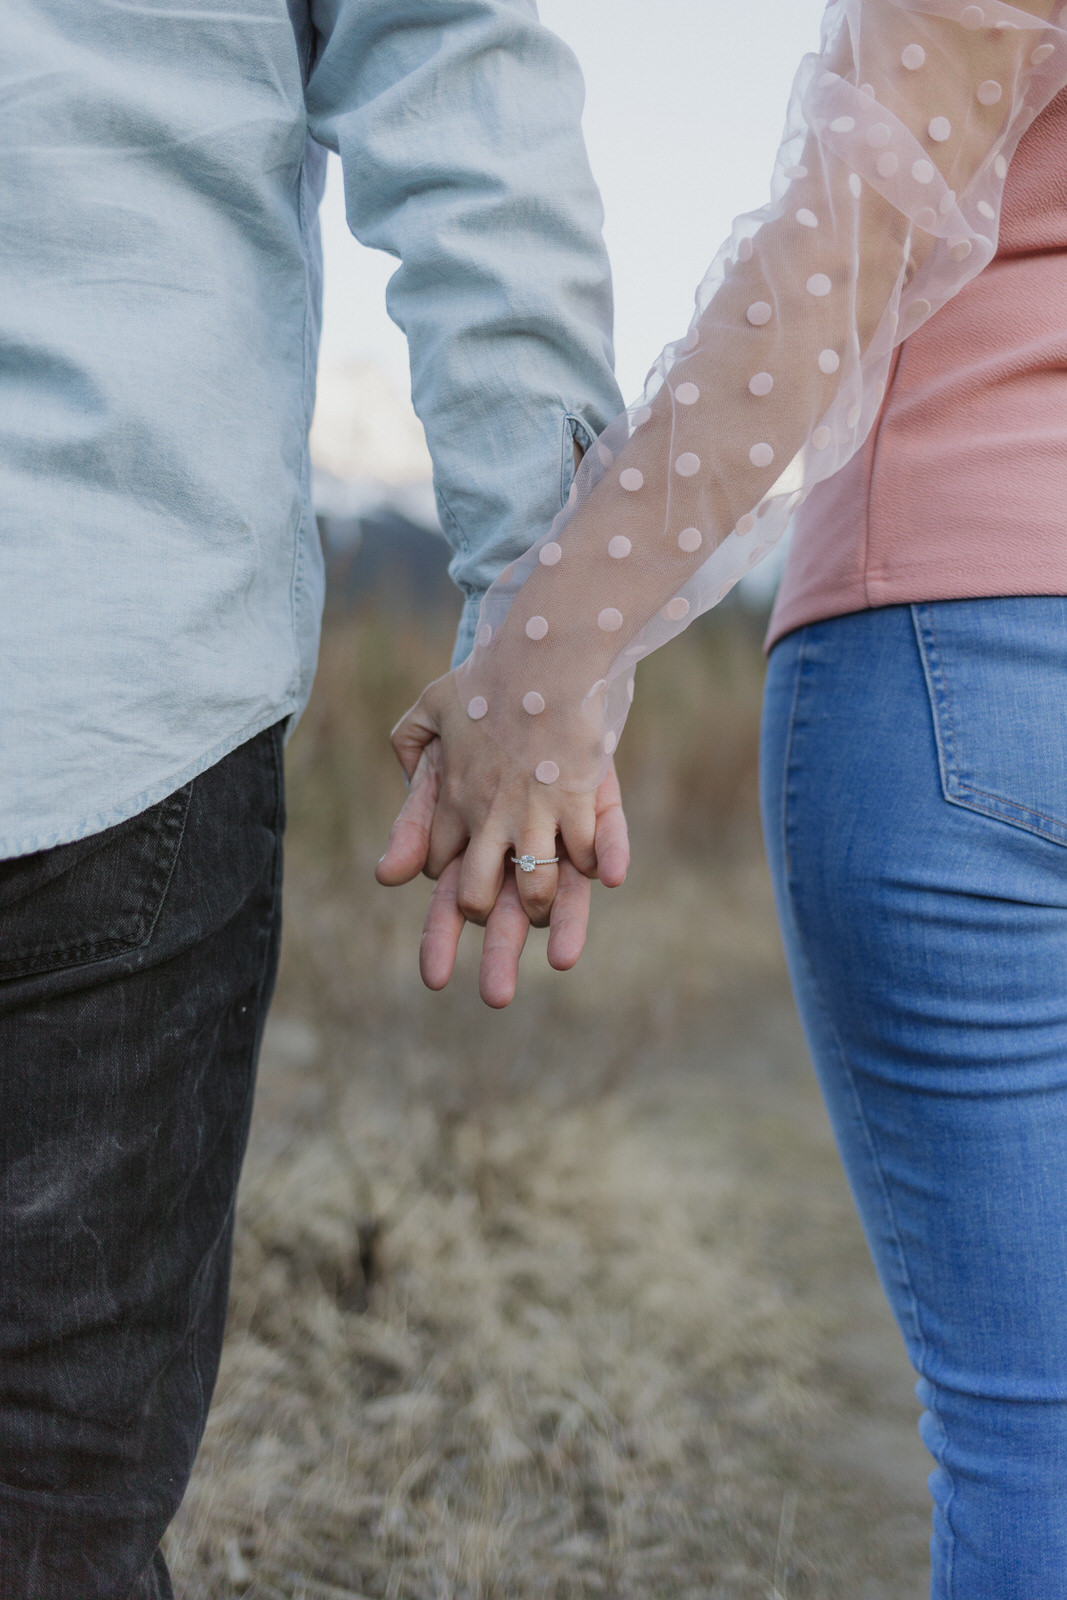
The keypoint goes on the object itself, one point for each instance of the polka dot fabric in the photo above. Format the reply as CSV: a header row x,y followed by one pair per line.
x,y
885,201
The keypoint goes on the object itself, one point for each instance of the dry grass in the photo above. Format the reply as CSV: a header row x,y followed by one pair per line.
x,y
509,1313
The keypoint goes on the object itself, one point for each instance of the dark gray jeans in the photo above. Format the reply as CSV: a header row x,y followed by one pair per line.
x,y
136,968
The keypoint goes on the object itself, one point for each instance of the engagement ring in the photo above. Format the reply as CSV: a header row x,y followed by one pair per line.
x,y
527,863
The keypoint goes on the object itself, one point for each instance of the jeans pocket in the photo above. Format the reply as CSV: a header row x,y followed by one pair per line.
x,y
996,675
93,899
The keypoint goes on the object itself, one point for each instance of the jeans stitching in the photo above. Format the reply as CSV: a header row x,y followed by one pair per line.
x,y
955,790
28,963
857,1103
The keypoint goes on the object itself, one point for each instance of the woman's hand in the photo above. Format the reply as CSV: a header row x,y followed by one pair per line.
x,y
469,809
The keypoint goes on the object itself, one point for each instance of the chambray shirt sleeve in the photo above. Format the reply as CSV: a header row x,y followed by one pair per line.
x,y
458,127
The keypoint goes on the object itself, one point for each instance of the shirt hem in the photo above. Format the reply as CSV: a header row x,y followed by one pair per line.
x,y
61,833
874,595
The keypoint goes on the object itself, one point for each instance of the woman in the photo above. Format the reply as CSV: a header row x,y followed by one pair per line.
x,y
848,367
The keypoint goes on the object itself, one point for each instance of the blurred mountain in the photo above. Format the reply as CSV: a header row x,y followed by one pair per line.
x,y
373,495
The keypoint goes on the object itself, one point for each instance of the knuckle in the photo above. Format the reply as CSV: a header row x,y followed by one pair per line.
x,y
473,905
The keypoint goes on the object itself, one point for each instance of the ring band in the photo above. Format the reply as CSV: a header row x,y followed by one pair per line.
x,y
527,863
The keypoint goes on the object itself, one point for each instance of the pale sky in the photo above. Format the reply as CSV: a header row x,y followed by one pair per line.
x,y
685,105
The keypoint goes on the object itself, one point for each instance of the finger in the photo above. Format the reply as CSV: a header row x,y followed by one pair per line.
x,y
578,829
482,877
612,839
505,937
441,930
570,918
413,733
448,839
409,838
537,886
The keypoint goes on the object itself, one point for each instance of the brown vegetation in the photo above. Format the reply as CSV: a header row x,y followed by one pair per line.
x,y
544,1303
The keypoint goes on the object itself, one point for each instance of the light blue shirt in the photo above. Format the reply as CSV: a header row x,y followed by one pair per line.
x,y
161,164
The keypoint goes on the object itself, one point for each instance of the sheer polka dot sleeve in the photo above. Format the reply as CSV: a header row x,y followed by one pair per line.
x,y
885,202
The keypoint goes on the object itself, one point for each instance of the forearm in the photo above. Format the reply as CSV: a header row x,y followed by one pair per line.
x,y
890,184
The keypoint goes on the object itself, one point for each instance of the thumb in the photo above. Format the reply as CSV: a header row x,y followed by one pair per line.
x,y
413,733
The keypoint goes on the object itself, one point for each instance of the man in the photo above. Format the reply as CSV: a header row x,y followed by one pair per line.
x,y
160,591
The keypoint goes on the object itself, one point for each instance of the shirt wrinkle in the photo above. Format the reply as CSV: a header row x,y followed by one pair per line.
x,y
161,574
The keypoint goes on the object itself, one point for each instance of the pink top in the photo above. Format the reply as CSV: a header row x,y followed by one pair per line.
x,y
961,487
873,270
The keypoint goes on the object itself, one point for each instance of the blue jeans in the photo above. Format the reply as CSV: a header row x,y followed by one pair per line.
x,y
136,968
915,810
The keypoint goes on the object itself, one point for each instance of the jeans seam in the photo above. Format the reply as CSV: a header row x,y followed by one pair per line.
x,y
857,1104
955,790
90,952
263,967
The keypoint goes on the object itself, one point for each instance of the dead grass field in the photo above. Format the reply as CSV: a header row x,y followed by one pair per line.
x,y
569,1300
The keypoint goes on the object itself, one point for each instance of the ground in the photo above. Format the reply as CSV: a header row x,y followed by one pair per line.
x,y
568,1300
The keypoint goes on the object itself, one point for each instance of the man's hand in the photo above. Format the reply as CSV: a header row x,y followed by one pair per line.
x,y
507,922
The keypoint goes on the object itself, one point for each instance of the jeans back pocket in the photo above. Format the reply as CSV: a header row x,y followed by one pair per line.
x,y
996,674
93,899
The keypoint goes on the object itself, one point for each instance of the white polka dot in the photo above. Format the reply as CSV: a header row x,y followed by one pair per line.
x,y
819,285
746,523
827,80
912,56
879,135
675,609
758,313
631,480
477,708
960,249
855,185
760,383
852,420
1000,167
599,688
609,620
611,743
1007,27
687,394
796,172
916,310
946,202
507,574
619,547
536,628
630,686
888,163
1042,53
546,772
867,91
550,554
923,171
691,340
690,539
986,210
926,217
829,361
606,457
842,125
533,702
972,17
821,438
940,129
484,634
806,218
745,250
761,455
641,416
687,464
989,92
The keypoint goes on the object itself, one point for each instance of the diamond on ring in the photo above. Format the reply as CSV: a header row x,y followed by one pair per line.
x,y
527,863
